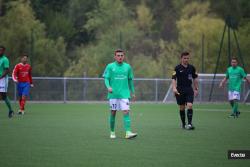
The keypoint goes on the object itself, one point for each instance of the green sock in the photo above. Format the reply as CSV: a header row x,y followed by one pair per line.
x,y
235,108
126,120
112,122
232,103
7,102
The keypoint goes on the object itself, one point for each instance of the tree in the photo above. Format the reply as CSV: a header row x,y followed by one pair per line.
x,y
22,32
113,28
196,20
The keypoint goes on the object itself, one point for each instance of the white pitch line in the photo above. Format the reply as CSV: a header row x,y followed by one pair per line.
x,y
221,110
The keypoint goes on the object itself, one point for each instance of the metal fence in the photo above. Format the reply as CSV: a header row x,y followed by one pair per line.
x,y
62,89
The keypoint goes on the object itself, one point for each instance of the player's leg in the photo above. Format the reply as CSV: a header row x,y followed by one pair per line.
x,y
24,94
112,124
20,94
189,100
180,99
182,115
231,100
234,97
232,106
190,115
3,91
113,109
7,102
235,108
22,105
231,103
124,105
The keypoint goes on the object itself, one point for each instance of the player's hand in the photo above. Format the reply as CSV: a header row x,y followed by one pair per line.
x,y
196,92
110,90
133,97
176,92
31,85
221,85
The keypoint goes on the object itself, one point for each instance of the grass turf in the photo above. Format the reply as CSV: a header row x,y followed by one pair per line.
x,y
73,135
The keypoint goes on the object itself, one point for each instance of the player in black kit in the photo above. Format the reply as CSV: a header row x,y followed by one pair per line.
x,y
183,77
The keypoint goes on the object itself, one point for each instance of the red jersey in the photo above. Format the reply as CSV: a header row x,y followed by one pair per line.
x,y
22,73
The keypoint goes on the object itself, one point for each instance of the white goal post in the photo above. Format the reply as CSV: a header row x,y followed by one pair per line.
x,y
204,89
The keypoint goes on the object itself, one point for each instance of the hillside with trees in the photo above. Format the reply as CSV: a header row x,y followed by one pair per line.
x,y
78,37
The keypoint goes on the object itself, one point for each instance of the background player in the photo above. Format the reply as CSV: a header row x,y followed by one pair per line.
x,y
234,75
22,76
4,70
119,82
182,78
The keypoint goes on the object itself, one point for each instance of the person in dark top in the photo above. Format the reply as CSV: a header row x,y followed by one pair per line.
x,y
183,77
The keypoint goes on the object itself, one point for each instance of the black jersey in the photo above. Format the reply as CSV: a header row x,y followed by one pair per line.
x,y
184,75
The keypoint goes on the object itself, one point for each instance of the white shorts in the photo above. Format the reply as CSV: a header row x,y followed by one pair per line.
x,y
4,84
233,95
119,104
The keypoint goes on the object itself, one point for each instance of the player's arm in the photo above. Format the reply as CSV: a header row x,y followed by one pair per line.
x,y
30,77
247,79
223,82
106,76
174,83
107,84
6,66
196,86
14,74
5,72
195,82
244,76
131,83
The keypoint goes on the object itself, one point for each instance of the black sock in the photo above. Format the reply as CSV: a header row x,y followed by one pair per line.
x,y
190,115
182,115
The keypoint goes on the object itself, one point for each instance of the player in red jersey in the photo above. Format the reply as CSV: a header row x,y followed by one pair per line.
x,y
22,76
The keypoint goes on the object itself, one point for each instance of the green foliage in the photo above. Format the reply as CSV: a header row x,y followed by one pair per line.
x,y
196,21
49,57
73,37
58,24
23,33
244,36
16,29
145,65
144,18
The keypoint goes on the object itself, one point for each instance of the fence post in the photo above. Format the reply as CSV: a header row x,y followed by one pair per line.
x,y
156,90
15,90
200,88
64,89
84,85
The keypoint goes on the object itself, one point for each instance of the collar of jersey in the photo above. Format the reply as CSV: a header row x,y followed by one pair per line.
x,y
3,55
119,64
184,66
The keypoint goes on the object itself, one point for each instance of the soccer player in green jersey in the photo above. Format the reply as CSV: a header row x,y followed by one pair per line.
x,y
4,70
118,78
234,76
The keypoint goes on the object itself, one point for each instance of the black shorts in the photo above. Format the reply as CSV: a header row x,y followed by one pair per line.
x,y
186,96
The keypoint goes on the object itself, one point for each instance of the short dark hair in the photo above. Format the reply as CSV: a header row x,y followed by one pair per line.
x,y
24,54
2,47
234,58
118,51
184,54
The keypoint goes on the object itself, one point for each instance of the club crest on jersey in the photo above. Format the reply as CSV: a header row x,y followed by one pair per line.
x,y
190,76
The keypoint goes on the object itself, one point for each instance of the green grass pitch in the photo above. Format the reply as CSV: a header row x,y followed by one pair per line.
x,y
74,135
